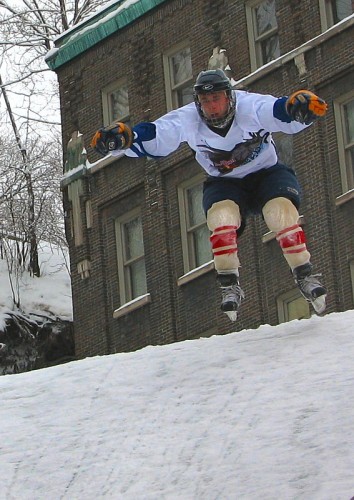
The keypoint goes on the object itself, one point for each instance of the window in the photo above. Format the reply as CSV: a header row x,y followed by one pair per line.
x,y
195,232
292,305
131,257
115,103
262,32
334,11
344,117
178,77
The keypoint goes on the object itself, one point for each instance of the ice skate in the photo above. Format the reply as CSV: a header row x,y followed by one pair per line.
x,y
232,294
311,289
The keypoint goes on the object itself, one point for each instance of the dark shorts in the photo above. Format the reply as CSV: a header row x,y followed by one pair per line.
x,y
252,192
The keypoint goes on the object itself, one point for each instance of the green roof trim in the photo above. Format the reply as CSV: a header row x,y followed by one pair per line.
x,y
95,29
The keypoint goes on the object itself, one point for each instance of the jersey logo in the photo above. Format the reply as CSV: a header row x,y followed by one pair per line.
x,y
242,153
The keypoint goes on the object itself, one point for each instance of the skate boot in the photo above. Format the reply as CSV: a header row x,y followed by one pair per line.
x,y
311,289
232,294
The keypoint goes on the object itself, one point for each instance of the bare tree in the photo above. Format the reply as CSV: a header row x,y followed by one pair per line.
x,y
27,32
30,199
30,227
33,24
29,90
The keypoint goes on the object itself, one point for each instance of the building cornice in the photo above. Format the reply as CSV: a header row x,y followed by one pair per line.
x,y
116,16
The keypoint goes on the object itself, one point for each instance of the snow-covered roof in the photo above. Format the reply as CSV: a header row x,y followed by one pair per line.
x,y
114,16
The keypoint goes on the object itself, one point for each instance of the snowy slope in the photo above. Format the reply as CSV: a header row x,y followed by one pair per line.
x,y
266,413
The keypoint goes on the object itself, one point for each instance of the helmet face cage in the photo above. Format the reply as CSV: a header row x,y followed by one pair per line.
x,y
214,81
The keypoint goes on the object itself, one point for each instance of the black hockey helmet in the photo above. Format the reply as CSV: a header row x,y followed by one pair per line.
x,y
211,80
214,80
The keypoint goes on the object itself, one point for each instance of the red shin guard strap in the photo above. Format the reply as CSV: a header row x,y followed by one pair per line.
x,y
292,239
224,240
225,251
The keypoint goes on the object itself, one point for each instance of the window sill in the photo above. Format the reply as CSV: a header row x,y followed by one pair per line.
x,y
343,198
103,162
132,305
195,273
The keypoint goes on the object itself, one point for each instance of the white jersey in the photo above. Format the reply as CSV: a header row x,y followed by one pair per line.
x,y
247,147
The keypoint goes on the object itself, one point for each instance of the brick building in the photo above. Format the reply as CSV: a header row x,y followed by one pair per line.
x,y
140,258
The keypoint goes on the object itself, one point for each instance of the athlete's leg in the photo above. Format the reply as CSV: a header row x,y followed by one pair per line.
x,y
281,217
223,201
224,220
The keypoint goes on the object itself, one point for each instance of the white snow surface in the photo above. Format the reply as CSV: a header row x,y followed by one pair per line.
x,y
48,295
259,414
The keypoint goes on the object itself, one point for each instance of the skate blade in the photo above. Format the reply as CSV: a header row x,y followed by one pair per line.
x,y
232,315
319,304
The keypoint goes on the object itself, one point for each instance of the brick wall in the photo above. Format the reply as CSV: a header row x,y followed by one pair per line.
x,y
181,312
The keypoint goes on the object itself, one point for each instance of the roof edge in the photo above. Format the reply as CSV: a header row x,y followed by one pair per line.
x,y
82,37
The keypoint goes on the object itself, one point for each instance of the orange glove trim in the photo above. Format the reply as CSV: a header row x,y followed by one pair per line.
x,y
127,133
315,104
95,139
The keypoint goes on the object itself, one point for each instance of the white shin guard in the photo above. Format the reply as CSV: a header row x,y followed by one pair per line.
x,y
281,217
223,219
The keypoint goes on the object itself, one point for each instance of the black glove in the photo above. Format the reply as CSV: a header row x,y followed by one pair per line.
x,y
304,106
116,136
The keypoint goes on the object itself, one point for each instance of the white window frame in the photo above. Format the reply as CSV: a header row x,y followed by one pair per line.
x,y
171,89
125,290
326,14
283,302
346,170
108,115
255,41
189,257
